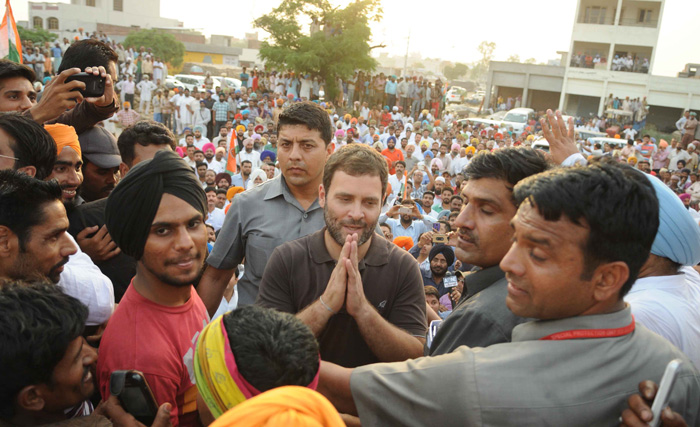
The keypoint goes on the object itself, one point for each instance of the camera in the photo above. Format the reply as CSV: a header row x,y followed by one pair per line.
x,y
94,85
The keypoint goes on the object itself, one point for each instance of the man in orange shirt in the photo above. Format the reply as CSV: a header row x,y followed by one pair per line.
x,y
392,154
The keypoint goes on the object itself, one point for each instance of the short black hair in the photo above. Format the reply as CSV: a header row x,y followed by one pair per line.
x,y
246,161
310,115
208,189
198,151
508,164
271,348
10,69
21,202
88,53
37,325
429,192
401,162
447,188
680,161
455,197
221,191
446,224
143,133
200,164
616,202
30,143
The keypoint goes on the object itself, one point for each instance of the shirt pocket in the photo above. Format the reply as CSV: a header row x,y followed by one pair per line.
x,y
258,251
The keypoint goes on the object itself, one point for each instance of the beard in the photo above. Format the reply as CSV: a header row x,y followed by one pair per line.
x,y
174,281
334,227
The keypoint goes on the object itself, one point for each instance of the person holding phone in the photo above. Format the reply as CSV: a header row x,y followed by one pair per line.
x,y
156,215
46,365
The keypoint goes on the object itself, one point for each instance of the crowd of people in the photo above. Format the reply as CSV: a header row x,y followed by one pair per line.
x,y
629,63
335,263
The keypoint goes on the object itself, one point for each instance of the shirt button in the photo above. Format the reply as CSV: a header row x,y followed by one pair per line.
x,y
306,215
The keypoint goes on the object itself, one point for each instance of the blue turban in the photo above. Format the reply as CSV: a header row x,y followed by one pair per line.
x,y
678,237
428,153
245,112
268,153
391,138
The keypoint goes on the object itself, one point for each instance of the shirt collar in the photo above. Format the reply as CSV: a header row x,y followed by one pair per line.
x,y
482,279
377,254
532,331
674,281
278,187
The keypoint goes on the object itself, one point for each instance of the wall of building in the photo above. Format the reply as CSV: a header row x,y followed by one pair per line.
x,y
74,16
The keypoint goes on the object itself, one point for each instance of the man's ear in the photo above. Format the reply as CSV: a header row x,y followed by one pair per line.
x,y
123,169
29,170
321,196
30,398
8,242
609,279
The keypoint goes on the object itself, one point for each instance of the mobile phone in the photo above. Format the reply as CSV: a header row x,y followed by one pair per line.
x,y
440,238
432,331
664,393
94,85
134,394
436,227
405,211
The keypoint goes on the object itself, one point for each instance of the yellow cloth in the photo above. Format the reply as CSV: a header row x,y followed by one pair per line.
x,y
214,381
288,406
64,136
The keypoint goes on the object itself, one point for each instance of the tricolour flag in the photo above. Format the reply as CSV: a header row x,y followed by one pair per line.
x,y
10,44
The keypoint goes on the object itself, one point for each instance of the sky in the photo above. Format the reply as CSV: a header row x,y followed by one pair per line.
x,y
452,29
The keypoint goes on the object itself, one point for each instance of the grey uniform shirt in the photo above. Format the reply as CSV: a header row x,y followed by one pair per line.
x,y
527,382
481,318
259,220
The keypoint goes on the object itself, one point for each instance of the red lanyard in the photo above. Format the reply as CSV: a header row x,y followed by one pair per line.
x,y
590,333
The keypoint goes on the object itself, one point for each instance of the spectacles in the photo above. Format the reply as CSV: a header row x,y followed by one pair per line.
x,y
9,157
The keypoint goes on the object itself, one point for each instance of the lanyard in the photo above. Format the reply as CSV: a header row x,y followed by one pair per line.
x,y
590,333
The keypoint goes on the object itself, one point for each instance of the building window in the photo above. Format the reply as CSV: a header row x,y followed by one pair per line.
x,y
52,23
644,16
595,15
119,5
90,3
207,59
38,22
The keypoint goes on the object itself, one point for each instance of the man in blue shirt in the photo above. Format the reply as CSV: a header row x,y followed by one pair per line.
x,y
410,224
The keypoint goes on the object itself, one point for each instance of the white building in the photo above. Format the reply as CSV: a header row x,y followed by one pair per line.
x,y
603,29
98,15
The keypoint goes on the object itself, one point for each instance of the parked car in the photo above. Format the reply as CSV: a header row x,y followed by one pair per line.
x,y
171,82
456,94
517,119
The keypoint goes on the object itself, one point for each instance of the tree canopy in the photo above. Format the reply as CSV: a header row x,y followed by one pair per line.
x,y
454,72
337,43
37,35
164,45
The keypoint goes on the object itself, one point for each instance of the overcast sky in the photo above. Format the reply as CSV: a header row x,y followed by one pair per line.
x,y
452,29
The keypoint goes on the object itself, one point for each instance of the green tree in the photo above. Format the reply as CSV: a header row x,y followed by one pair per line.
x,y
38,35
454,72
514,58
164,45
337,45
530,61
481,67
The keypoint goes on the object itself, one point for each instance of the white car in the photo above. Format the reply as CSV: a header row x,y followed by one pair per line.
x,y
456,95
517,119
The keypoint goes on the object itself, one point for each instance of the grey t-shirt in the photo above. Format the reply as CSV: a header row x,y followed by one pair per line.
x,y
258,221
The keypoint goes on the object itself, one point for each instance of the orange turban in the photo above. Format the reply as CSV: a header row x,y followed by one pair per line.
x,y
292,406
64,136
404,242
232,191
